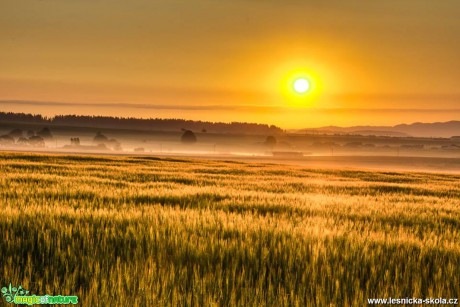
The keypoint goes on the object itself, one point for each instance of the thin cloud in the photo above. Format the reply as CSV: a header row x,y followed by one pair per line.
x,y
253,108
397,97
119,105
387,110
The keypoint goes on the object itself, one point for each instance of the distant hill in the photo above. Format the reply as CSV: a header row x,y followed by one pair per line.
x,y
154,124
438,129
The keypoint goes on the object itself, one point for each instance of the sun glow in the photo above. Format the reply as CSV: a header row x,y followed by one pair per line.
x,y
300,88
301,85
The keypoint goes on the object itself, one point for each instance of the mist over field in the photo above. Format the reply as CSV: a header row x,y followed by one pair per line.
x,y
177,217
109,135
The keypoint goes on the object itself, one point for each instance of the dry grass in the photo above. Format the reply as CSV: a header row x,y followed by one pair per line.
x,y
133,231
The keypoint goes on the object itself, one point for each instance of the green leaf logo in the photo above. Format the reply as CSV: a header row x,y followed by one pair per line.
x,y
10,293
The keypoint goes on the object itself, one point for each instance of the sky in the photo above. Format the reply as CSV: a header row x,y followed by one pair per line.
x,y
369,62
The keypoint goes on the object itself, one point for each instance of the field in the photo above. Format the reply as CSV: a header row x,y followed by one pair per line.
x,y
146,231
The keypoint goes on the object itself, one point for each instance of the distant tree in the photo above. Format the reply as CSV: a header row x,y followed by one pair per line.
x,y
100,138
188,137
6,140
30,133
22,141
45,133
114,144
37,141
75,141
157,124
102,146
270,141
16,133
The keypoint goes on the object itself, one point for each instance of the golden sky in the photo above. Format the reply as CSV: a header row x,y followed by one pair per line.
x,y
375,62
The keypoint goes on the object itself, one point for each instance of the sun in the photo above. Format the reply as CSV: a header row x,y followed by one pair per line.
x,y
297,87
301,85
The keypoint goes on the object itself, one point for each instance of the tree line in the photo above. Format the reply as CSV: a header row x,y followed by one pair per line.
x,y
159,124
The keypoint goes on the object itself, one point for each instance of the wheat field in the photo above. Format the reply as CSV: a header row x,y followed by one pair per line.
x,y
146,231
